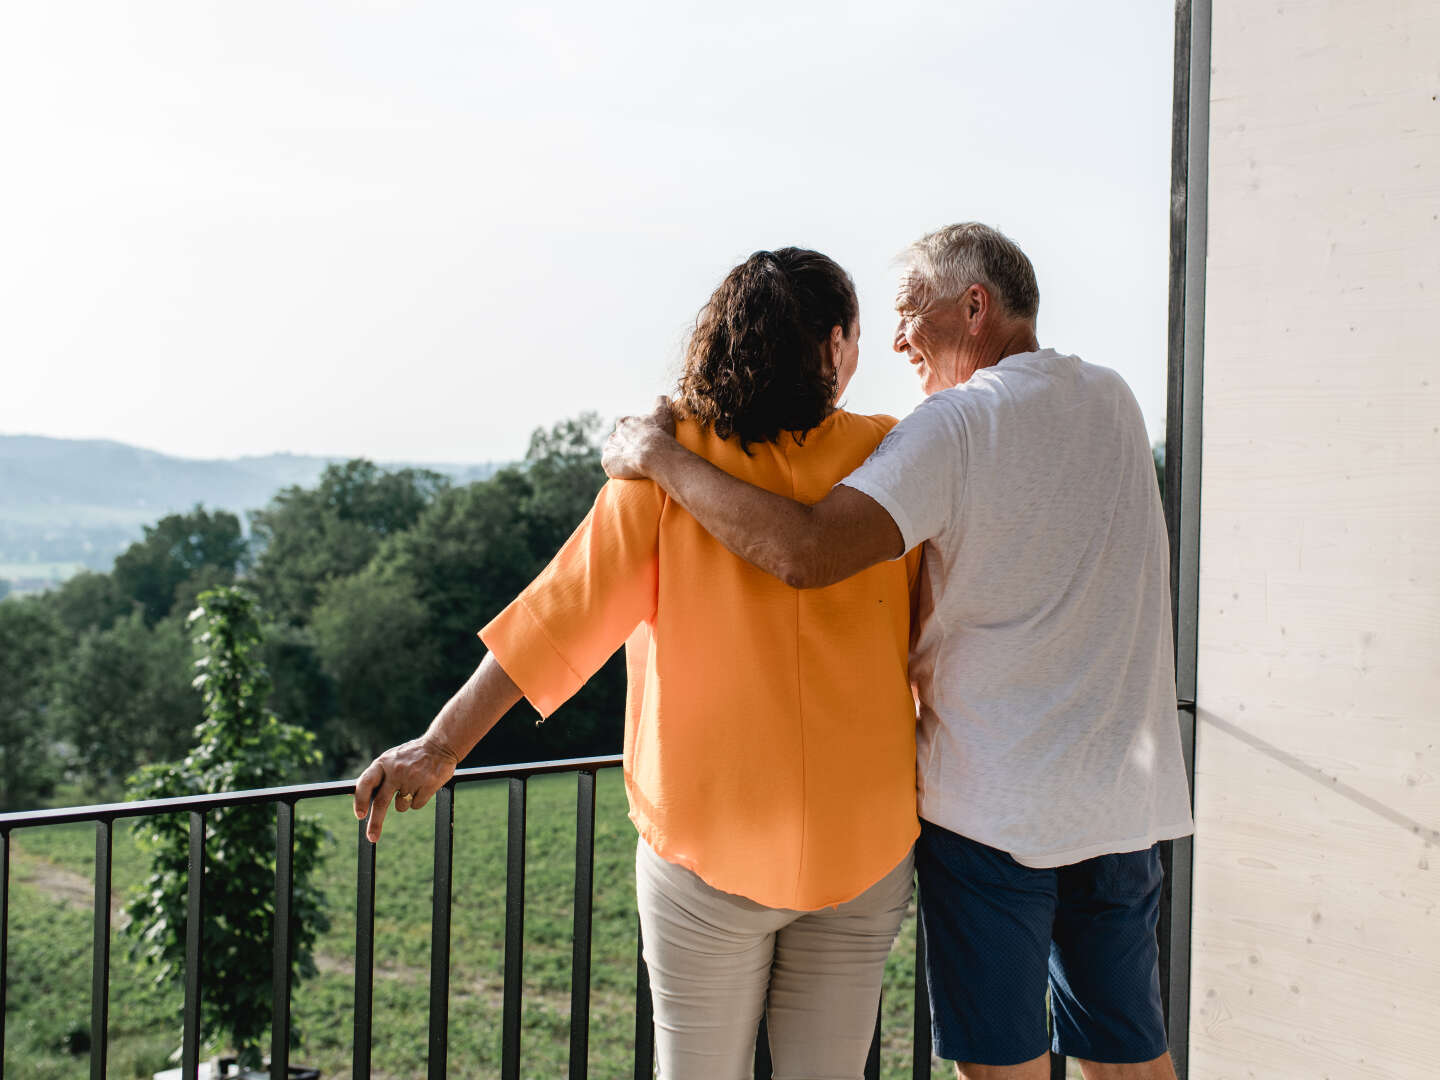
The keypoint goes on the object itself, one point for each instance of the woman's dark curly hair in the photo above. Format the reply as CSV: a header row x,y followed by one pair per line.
x,y
756,364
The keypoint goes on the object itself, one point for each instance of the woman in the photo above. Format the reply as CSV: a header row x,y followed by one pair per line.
x,y
769,733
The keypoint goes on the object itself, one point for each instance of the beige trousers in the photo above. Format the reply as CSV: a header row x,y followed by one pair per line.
x,y
717,961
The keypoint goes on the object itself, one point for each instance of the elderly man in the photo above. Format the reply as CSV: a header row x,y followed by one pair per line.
x,y
1049,756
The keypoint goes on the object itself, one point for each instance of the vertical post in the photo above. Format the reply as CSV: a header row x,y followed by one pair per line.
x,y
440,933
284,943
584,899
514,934
924,1045
364,951
764,1065
1057,1061
194,940
4,938
100,965
1175,416
1175,978
1189,182
872,1059
644,1014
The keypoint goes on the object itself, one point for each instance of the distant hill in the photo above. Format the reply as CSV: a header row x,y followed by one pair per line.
x,y
82,501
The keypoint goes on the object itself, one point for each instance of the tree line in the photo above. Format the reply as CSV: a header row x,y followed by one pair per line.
x,y
371,586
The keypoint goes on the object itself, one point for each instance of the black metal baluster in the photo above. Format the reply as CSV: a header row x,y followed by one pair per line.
x,y
194,939
1184,441
1057,1061
924,1046
284,943
100,966
872,1060
584,900
514,934
284,927
364,952
764,1067
4,939
644,1014
440,932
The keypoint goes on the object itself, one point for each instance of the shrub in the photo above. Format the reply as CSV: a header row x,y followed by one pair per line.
x,y
241,745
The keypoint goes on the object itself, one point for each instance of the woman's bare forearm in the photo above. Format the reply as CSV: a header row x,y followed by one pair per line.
x,y
413,771
474,709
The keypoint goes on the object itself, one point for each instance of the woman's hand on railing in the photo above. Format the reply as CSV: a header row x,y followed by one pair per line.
x,y
409,773
413,771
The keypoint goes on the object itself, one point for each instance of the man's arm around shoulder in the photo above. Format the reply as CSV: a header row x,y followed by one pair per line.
x,y
805,546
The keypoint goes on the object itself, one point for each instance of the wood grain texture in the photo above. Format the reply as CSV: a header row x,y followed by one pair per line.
x,y
1317,868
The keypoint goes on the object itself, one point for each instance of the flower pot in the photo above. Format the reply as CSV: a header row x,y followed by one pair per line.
x,y
226,1068
229,1071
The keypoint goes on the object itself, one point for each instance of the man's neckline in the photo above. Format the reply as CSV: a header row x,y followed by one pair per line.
x,y
1047,353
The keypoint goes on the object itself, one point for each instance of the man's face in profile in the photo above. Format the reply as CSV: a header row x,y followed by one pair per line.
x,y
930,333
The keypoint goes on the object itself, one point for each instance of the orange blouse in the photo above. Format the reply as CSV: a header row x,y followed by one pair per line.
x,y
769,732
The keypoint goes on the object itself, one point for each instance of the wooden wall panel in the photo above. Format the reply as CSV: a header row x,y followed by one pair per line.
x,y
1316,935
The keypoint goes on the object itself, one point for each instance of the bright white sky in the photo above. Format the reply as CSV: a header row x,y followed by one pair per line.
x,y
416,231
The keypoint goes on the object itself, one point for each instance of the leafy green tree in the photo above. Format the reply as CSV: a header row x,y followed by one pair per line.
x,y
241,745
310,536
304,693
400,637
124,698
468,556
87,601
562,467
370,632
176,549
30,641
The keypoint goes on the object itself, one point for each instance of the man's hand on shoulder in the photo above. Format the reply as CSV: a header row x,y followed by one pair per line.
x,y
804,546
633,444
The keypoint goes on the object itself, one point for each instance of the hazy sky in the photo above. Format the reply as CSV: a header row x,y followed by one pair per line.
x,y
416,231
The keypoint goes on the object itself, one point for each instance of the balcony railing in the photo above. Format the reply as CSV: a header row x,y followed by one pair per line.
x,y
104,816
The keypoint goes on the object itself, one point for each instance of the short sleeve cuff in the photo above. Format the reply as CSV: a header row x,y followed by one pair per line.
x,y
529,657
891,506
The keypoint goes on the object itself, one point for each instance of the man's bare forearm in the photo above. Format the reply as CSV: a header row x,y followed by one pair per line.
x,y
770,531
804,546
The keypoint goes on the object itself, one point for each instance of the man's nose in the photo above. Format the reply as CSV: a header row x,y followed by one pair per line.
x,y
900,344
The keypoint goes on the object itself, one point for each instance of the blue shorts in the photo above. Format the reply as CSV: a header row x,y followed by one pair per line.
x,y
997,932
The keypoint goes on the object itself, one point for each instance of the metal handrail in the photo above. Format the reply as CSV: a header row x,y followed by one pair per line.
x,y
104,815
68,815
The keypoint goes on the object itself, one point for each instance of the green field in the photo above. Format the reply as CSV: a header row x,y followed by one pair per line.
x,y
50,948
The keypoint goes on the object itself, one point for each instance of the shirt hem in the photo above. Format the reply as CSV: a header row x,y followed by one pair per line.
x,y
891,506
1070,856
522,647
647,834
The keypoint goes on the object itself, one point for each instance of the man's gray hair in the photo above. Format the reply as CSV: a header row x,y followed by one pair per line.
x,y
951,259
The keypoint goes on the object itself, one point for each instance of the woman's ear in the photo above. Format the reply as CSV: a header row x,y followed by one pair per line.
x,y
833,347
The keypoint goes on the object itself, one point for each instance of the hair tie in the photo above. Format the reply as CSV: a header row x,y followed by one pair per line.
x,y
773,263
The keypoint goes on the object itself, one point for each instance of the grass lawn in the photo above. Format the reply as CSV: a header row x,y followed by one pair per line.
x,y
47,1031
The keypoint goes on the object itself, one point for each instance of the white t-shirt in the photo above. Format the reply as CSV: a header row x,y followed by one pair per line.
x,y
1044,662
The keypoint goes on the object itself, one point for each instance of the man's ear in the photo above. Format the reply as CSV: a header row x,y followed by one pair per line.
x,y
976,304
